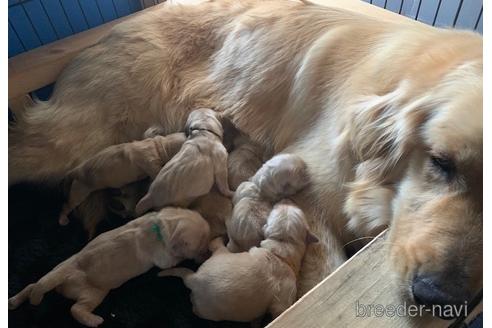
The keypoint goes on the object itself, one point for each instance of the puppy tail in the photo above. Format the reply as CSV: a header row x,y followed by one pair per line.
x,y
176,272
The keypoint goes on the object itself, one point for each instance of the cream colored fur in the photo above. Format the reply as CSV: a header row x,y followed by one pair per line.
x,y
335,87
200,164
282,176
160,239
119,165
216,209
244,286
244,160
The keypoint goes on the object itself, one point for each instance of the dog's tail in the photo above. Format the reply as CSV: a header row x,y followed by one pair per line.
x,y
182,273
35,292
42,141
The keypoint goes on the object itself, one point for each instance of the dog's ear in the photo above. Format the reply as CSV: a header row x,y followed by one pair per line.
x,y
176,243
311,238
385,127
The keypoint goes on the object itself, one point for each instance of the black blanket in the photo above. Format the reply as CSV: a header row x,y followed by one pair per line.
x,y
37,244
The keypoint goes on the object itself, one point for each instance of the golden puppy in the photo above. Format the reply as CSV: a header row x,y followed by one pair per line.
x,y
160,239
282,176
243,162
201,163
216,209
120,165
245,286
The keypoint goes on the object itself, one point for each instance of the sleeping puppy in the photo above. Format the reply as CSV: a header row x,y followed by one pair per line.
x,y
245,286
216,209
201,163
280,177
160,239
243,162
120,165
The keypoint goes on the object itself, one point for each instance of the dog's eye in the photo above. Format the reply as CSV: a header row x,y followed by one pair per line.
x,y
445,165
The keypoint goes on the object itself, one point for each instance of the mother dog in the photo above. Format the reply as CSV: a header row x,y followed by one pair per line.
x,y
387,116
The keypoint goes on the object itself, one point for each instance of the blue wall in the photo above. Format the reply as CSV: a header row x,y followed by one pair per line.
x,y
33,23
464,14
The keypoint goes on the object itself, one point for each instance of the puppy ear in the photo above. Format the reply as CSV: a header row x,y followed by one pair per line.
x,y
174,230
311,238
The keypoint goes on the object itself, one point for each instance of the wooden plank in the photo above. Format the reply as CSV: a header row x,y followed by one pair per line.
x,y
22,25
469,14
350,296
40,21
39,67
366,9
75,15
58,18
92,13
15,45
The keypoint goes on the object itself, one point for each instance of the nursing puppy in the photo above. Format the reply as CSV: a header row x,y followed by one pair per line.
x,y
282,176
120,165
243,162
245,286
201,163
160,239
216,209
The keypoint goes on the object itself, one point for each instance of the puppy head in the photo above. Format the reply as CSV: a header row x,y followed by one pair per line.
x,y
287,223
426,147
281,176
204,119
189,233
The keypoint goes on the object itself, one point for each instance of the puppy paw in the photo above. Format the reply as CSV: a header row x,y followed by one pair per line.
x,y
63,220
153,131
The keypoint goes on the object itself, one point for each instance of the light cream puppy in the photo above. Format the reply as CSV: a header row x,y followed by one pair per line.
x,y
216,209
120,165
160,239
282,176
201,163
243,162
245,286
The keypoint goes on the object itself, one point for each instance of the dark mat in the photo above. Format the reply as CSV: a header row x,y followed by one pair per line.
x,y
37,244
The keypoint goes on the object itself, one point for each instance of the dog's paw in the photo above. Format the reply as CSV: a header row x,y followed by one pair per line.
x,y
153,131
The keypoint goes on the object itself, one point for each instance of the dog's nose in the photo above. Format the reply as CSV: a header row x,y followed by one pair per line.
x,y
428,290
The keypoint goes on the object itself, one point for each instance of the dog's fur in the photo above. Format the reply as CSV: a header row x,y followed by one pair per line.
x,y
200,163
335,87
280,177
244,286
119,165
216,209
160,239
243,162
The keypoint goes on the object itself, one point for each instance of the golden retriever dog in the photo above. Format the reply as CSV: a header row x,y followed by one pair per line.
x,y
119,165
243,161
161,239
280,177
200,164
344,91
244,286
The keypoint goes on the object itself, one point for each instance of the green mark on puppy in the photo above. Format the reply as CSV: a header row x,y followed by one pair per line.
x,y
157,230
